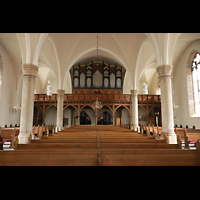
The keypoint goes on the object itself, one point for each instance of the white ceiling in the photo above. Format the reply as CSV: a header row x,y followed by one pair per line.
x,y
58,52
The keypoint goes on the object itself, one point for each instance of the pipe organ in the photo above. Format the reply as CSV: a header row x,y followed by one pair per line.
x,y
97,75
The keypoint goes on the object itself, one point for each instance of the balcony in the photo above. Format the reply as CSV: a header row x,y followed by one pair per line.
x,y
149,99
106,98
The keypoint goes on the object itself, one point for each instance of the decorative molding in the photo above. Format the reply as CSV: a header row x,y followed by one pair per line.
x,y
134,92
60,93
165,71
29,70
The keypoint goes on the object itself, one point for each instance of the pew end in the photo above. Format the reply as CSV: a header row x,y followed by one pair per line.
x,y
198,148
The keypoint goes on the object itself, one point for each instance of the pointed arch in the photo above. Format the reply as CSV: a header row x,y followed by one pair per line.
x,y
119,107
28,48
40,42
71,106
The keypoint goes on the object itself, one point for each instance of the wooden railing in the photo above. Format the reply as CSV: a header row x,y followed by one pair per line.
x,y
123,98
144,99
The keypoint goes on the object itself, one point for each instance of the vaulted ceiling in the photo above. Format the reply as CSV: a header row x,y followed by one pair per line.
x,y
56,53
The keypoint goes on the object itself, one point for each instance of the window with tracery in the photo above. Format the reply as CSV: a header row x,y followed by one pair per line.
x,y
1,73
196,82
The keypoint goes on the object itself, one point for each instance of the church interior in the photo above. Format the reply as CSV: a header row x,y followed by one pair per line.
x,y
106,99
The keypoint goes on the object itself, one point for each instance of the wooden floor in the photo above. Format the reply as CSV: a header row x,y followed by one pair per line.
x,y
98,146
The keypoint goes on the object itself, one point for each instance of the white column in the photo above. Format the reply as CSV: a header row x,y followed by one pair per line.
x,y
27,103
60,99
134,94
164,73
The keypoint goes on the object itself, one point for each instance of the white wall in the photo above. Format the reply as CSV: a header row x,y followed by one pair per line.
x,y
51,116
8,92
181,114
125,116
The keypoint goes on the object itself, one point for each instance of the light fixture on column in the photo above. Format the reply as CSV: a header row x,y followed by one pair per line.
x,y
17,107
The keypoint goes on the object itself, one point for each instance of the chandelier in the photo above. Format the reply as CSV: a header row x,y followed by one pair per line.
x,y
97,105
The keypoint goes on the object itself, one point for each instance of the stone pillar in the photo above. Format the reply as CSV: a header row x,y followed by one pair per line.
x,y
164,73
134,94
60,98
27,103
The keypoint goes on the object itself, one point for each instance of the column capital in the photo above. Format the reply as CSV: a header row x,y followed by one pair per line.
x,y
29,70
60,92
164,71
134,92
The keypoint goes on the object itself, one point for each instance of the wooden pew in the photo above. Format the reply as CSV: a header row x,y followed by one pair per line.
x,y
109,157
100,147
9,135
191,136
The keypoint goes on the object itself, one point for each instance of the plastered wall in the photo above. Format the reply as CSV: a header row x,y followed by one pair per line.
x,y
181,114
8,97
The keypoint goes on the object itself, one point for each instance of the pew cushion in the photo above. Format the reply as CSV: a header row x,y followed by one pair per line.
x,y
192,140
6,140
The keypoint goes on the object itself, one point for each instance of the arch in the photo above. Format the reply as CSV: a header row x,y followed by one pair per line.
x,y
108,107
142,115
89,51
156,47
85,119
28,48
190,91
86,106
137,62
49,107
143,108
121,106
101,111
40,42
105,118
169,47
153,107
90,112
71,106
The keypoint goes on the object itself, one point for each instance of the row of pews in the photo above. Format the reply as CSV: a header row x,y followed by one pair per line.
x,y
187,137
10,134
99,146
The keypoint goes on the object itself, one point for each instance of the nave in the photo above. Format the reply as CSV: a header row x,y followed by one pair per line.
x,y
99,146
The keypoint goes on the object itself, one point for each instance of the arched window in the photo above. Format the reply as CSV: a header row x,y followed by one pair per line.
x,y
1,73
196,82
193,83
